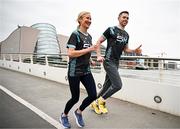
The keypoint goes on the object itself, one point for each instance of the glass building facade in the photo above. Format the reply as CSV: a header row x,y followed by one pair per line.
x,y
47,42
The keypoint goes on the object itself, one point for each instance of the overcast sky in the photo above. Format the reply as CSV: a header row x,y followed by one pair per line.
x,y
153,23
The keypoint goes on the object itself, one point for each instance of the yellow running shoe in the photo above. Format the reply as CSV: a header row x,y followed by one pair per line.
x,y
95,107
102,105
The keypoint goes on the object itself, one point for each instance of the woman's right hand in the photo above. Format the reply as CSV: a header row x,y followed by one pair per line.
x,y
93,48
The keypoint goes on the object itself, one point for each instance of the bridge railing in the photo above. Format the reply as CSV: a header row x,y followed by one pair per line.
x,y
126,62
145,62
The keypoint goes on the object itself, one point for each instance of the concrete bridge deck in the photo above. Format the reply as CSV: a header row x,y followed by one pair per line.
x,y
38,103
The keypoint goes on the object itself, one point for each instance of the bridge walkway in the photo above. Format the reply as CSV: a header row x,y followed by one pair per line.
x,y
38,103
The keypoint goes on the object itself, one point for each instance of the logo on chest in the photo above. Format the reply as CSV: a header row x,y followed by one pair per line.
x,y
86,43
121,39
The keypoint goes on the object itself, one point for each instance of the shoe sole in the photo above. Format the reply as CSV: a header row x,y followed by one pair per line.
x,y
77,121
104,112
96,112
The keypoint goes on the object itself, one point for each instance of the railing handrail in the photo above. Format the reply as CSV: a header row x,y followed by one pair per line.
x,y
122,57
147,57
127,62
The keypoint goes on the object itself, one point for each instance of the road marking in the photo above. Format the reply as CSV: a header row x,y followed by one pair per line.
x,y
43,115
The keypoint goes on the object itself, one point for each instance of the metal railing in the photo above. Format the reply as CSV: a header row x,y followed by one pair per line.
x,y
161,70
126,62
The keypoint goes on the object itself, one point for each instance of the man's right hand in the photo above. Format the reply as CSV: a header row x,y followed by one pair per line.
x,y
138,50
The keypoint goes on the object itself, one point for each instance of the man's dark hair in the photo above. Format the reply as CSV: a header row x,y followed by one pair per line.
x,y
123,12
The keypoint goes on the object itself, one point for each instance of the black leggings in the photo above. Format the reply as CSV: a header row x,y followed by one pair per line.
x,y
74,83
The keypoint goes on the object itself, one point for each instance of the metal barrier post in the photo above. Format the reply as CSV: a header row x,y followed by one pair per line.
x,y
46,60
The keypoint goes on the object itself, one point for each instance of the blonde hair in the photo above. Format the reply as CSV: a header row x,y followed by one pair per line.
x,y
81,15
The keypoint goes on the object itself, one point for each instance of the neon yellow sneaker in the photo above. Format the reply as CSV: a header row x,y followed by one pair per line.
x,y
95,107
102,105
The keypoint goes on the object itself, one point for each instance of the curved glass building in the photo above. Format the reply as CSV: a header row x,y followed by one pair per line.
x,y
47,42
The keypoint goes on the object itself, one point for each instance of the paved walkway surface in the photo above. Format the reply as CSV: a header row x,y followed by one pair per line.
x,y
44,100
16,115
